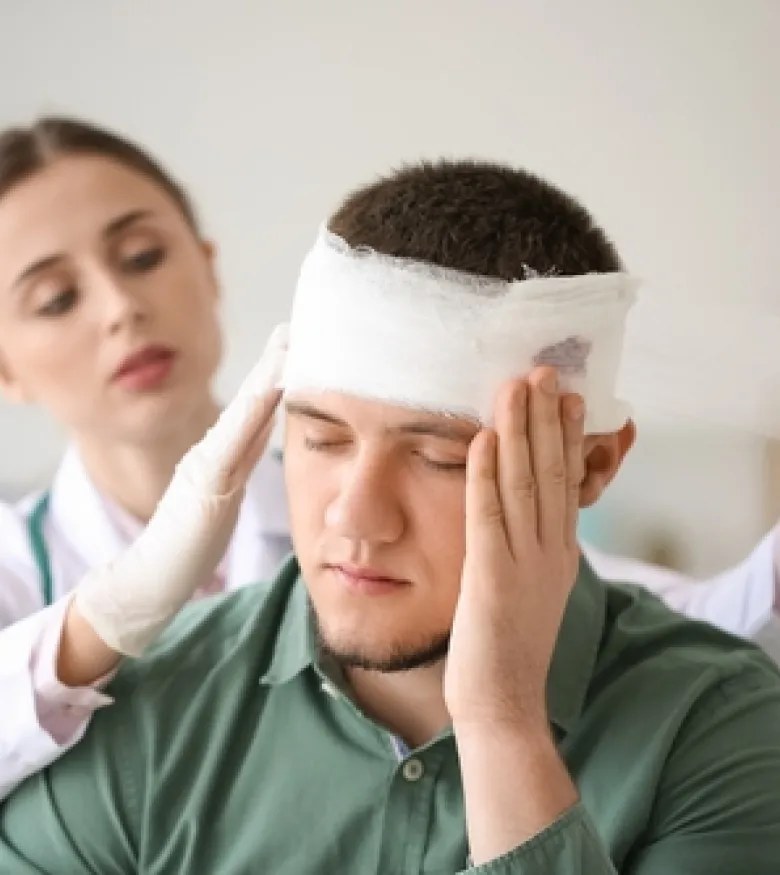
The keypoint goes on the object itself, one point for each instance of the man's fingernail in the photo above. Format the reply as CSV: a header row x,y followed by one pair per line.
x,y
576,410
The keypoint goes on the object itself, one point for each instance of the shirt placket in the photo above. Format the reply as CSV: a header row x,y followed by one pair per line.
x,y
408,812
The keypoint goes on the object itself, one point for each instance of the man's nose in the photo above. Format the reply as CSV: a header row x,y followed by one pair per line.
x,y
367,507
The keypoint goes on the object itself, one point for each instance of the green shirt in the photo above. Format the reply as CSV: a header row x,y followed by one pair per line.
x,y
228,752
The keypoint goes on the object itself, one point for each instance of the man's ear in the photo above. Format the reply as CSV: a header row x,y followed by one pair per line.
x,y
604,454
10,388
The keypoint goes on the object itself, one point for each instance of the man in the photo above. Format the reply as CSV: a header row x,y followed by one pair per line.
x,y
437,680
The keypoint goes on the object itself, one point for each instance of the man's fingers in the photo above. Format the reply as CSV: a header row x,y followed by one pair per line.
x,y
517,487
485,526
547,456
573,419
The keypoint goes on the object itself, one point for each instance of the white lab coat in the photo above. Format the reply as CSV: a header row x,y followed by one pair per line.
x,y
40,718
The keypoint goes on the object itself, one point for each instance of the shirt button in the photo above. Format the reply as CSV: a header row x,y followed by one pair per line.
x,y
331,689
413,770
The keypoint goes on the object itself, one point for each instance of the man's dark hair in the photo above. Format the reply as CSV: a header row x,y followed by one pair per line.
x,y
478,217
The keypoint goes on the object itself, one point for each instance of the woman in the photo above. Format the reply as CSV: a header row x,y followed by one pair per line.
x,y
109,319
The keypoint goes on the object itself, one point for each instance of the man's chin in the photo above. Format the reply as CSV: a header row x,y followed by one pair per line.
x,y
397,657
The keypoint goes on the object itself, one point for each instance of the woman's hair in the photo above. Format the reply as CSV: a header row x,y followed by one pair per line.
x,y
24,151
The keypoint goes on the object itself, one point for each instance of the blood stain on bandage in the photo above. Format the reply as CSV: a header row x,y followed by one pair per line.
x,y
568,356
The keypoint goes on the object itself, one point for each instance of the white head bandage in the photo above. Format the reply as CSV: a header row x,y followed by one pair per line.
x,y
417,335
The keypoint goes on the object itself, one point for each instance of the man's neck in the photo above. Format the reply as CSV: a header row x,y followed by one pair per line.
x,y
134,475
410,704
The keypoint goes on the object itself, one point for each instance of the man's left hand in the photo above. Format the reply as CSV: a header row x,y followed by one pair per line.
x,y
522,556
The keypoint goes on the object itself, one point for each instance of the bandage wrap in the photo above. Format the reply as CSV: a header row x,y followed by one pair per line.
x,y
426,337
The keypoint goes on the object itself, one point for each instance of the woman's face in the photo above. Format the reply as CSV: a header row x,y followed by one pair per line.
x,y
108,302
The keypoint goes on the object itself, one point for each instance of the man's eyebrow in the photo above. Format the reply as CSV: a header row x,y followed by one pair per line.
x,y
297,408
451,431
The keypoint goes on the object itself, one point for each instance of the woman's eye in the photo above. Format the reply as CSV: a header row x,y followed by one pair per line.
x,y
146,259
59,304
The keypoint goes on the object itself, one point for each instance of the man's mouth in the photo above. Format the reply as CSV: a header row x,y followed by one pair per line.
x,y
367,580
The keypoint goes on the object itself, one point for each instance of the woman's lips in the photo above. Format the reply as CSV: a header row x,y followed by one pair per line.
x,y
148,368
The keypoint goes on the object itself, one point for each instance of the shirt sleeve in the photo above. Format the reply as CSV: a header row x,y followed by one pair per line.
x,y
42,718
717,808
569,846
717,805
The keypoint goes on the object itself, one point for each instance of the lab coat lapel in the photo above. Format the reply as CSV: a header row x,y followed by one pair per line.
x,y
79,512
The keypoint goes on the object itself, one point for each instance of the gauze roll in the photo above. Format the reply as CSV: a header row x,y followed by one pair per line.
x,y
421,336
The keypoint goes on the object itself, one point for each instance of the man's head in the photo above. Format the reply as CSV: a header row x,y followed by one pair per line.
x,y
486,219
376,489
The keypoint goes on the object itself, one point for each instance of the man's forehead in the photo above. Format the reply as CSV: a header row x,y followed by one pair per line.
x,y
361,413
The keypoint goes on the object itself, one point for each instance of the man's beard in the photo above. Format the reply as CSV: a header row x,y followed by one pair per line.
x,y
397,660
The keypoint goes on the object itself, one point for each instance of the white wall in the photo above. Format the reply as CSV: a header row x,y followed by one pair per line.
x,y
662,115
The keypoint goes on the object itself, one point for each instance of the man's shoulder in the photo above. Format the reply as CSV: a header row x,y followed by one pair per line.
x,y
212,630
643,634
619,569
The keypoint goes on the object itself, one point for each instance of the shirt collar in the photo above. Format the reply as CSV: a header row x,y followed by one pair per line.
x,y
295,647
573,663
